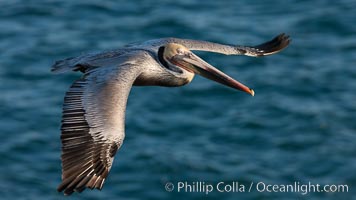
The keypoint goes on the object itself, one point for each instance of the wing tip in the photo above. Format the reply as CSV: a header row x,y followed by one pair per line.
x,y
68,64
80,183
273,46
60,66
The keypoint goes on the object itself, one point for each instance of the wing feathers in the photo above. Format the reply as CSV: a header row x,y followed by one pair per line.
x,y
86,157
271,47
93,125
275,45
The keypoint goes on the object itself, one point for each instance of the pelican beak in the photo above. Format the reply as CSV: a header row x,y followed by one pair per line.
x,y
193,63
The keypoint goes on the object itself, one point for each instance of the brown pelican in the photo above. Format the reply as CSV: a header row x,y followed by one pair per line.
x,y
93,121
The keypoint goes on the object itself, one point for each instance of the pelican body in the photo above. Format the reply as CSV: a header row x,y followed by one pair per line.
x,y
93,118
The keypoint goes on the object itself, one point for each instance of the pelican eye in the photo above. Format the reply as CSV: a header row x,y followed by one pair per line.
x,y
180,51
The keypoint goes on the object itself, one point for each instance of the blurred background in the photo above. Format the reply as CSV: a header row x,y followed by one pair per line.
x,y
300,126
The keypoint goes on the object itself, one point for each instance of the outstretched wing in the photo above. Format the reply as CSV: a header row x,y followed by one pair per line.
x,y
87,155
273,46
93,123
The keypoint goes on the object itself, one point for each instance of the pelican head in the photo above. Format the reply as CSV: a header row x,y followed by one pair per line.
x,y
178,58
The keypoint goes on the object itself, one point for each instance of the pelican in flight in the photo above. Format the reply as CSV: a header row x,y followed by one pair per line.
x,y
93,118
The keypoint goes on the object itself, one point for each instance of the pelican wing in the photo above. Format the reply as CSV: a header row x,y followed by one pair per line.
x,y
273,46
93,123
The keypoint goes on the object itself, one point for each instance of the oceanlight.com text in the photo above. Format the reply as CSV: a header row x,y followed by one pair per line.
x,y
237,187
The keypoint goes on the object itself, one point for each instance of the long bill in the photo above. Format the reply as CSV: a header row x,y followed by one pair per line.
x,y
197,65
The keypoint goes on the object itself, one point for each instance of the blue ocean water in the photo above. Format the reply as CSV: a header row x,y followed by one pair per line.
x,y
299,127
